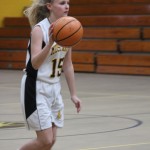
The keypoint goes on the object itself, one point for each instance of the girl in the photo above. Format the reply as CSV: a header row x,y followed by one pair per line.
x,y
40,88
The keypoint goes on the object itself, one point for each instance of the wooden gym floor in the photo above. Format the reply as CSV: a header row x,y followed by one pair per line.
x,y
115,113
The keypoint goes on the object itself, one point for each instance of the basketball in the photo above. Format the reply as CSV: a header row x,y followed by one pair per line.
x,y
67,31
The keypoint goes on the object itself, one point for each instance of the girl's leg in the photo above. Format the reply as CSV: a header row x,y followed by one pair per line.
x,y
54,128
44,141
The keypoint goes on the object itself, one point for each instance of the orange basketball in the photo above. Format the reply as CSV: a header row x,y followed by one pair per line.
x,y
67,31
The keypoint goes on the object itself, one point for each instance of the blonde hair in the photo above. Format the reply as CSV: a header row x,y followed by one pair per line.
x,y
37,11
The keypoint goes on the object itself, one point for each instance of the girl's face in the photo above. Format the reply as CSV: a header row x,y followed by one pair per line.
x,y
59,8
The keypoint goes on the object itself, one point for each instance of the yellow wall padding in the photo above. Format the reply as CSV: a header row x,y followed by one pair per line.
x,y
13,8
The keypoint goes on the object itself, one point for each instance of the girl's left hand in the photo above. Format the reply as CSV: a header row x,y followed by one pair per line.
x,y
77,103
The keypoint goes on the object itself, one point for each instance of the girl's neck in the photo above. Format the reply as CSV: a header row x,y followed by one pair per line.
x,y
52,19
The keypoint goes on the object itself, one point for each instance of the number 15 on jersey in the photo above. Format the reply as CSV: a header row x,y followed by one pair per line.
x,y
56,67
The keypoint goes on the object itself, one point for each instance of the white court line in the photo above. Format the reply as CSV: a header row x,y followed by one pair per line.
x,y
10,103
117,146
14,88
108,94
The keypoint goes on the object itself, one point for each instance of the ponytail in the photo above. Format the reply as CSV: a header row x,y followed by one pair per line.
x,y
37,11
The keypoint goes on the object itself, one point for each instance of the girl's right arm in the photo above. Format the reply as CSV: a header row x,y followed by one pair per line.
x,y
38,54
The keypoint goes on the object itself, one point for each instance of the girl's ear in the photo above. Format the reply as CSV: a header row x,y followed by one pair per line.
x,y
49,5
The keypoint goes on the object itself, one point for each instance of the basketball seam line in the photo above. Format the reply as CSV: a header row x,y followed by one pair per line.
x,y
74,43
63,27
70,35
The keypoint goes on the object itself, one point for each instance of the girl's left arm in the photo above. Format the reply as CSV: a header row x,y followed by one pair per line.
x,y
70,78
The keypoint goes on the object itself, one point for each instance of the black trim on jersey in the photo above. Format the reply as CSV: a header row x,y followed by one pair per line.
x,y
30,96
31,72
30,86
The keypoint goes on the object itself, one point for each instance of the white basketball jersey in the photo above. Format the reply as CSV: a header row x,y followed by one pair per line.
x,y
51,68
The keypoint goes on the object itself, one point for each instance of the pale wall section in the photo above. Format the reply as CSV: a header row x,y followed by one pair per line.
x,y
12,8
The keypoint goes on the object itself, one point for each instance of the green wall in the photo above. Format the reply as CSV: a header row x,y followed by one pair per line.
x,y
13,8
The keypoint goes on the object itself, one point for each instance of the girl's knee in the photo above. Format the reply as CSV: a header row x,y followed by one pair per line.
x,y
54,140
46,138
48,142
